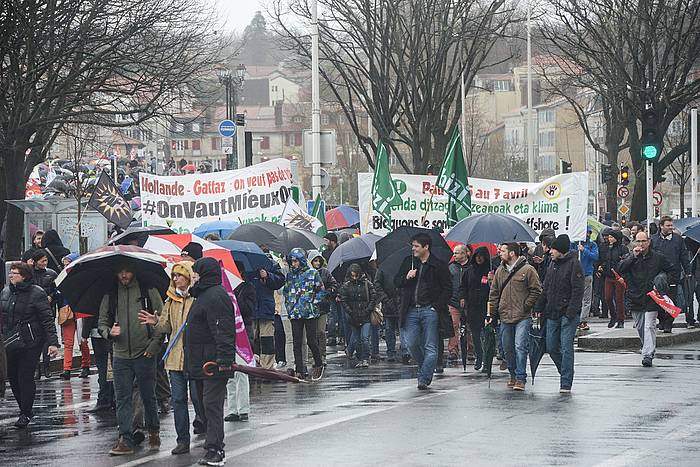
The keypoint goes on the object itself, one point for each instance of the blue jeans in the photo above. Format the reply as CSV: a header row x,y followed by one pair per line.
x,y
359,340
392,325
516,345
143,371
178,390
421,329
374,338
560,346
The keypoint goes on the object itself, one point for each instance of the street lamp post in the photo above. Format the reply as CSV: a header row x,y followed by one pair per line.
x,y
231,85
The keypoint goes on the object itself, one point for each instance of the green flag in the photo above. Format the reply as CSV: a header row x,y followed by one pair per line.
x,y
453,178
319,213
384,194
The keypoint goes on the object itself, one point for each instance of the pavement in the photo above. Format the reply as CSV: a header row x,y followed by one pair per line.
x,y
619,414
602,338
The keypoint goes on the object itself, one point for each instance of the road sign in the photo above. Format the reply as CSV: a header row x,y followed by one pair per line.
x,y
623,192
227,145
623,209
658,198
227,128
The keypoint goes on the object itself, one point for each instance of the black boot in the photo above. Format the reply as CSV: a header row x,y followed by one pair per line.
x,y
611,323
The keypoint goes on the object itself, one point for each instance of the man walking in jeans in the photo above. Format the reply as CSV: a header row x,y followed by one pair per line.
x,y
560,303
135,348
425,287
640,269
514,292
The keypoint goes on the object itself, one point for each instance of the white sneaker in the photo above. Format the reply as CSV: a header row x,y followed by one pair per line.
x,y
280,366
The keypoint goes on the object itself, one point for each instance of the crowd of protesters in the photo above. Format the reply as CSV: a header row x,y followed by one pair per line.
x,y
557,282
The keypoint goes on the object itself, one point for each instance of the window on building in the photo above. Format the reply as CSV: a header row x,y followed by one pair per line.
x,y
265,142
325,120
179,128
215,144
545,116
546,139
501,85
297,139
179,145
195,127
274,88
297,119
187,144
195,145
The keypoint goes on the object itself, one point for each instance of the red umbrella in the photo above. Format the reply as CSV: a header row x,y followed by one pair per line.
x,y
189,168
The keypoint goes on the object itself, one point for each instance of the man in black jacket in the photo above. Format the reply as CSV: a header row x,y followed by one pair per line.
x,y
426,287
639,270
210,336
672,246
560,303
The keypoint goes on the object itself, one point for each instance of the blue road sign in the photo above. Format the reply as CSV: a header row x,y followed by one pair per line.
x,y
227,128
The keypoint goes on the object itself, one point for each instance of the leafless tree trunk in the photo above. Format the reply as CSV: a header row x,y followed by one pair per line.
x,y
101,62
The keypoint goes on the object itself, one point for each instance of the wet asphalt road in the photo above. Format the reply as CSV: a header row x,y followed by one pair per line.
x,y
619,414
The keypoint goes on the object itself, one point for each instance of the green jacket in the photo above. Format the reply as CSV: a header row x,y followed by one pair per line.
x,y
135,338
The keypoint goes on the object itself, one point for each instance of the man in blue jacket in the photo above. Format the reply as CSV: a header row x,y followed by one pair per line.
x,y
266,281
588,256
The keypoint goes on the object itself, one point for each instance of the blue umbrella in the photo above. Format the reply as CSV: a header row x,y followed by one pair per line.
x,y
222,228
491,228
355,250
248,253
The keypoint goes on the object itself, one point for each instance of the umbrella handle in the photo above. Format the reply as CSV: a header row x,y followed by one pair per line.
x,y
209,372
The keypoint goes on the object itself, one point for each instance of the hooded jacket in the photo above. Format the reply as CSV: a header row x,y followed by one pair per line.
x,y
675,251
609,256
265,291
357,296
589,256
210,329
135,339
330,285
562,293
52,242
514,303
303,289
175,311
474,287
24,307
46,279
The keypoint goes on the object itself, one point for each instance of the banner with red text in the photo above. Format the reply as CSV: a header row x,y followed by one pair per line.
x,y
255,193
559,202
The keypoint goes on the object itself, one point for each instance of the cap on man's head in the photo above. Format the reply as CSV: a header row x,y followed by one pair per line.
x,y
193,250
562,244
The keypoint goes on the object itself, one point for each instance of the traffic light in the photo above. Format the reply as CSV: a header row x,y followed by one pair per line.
x,y
564,167
606,173
624,175
240,119
662,177
623,221
651,140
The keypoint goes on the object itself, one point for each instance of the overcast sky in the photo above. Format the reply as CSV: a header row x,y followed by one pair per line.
x,y
238,13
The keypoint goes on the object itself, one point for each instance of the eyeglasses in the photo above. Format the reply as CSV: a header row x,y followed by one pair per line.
x,y
13,273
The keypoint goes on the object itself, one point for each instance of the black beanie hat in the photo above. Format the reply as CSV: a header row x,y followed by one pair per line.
x,y
194,250
562,244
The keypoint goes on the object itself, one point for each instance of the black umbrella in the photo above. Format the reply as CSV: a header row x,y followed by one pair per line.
x,y
488,343
392,249
139,235
277,238
85,281
538,344
491,228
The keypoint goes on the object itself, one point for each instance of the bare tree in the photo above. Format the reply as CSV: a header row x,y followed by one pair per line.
x,y
627,51
398,61
96,62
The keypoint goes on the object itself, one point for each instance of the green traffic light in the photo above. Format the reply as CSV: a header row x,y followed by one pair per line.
x,y
649,152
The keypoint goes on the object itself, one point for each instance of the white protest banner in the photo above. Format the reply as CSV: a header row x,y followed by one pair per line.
x,y
560,202
255,193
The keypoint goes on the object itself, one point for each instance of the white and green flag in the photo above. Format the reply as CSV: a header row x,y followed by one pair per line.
x,y
454,179
384,194
319,212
